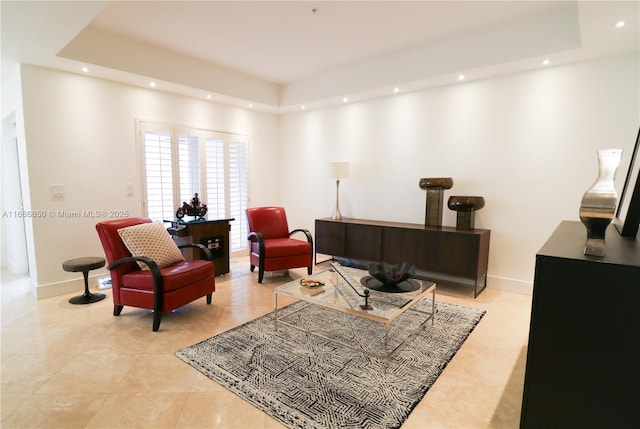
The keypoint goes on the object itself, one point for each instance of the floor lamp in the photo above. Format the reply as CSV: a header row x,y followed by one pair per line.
x,y
338,170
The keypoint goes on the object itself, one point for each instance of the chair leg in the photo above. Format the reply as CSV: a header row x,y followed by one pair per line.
x,y
260,274
157,315
309,270
209,298
117,309
253,267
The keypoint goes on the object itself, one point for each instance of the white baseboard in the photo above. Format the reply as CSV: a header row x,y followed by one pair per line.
x,y
68,286
510,285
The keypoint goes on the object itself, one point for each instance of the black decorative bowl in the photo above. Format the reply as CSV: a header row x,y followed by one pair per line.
x,y
391,275
391,278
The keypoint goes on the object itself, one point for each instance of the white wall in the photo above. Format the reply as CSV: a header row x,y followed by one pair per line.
x,y
80,133
526,142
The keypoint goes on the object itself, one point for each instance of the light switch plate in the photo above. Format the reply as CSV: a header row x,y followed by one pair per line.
x,y
57,191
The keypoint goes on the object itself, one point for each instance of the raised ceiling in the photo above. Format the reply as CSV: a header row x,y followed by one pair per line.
x,y
284,42
281,55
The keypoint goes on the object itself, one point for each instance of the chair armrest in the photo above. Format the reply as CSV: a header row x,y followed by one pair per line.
x,y
305,231
257,236
158,296
202,247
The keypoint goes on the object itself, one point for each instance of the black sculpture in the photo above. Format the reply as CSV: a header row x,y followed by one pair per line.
x,y
195,209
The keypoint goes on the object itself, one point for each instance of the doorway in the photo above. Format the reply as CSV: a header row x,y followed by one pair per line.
x,y
14,240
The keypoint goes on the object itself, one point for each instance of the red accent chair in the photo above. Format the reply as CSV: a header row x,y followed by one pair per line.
x,y
158,289
272,248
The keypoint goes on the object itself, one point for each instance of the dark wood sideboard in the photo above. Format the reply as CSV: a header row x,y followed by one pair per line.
x,y
442,254
214,234
583,358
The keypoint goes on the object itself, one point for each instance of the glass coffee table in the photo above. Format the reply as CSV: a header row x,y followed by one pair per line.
x,y
344,290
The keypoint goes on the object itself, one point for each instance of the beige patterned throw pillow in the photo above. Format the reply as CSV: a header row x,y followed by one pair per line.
x,y
153,241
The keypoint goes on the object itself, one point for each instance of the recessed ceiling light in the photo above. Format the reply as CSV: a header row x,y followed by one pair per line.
x,y
345,99
396,89
460,77
250,105
619,24
152,84
209,96
545,62
302,107
85,69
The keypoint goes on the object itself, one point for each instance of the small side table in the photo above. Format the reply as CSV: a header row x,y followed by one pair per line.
x,y
85,265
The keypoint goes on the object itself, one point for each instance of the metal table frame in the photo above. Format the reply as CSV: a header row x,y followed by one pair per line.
x,y
309,299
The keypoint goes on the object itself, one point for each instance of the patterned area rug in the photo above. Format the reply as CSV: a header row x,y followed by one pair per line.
x,y
305,381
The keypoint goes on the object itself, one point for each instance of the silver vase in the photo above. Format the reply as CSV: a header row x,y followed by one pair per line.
x,y
599,202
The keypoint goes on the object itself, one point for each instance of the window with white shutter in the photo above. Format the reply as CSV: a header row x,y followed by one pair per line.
x,y
188,167
180,162
215,168
238,193
158,174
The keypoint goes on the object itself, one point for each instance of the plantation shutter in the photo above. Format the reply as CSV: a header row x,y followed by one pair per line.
x,y
189,168
216,187
158,175
238,194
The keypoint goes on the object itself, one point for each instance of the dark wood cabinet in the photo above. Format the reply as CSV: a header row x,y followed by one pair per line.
x,y
583,357
442,254
214,234
363,242
333,237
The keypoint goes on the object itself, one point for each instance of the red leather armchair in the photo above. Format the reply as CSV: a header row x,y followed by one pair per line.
x,y
272,247
158,289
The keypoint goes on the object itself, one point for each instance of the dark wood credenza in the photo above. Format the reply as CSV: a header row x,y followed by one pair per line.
x,y
583,357
443,254
214,234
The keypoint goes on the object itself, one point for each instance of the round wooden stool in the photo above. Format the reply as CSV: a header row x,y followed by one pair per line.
x,y
85,265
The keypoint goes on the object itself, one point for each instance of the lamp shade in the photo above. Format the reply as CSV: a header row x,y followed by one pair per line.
x,y
339,170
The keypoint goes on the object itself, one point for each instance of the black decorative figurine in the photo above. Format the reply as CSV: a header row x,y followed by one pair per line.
x,y
195,209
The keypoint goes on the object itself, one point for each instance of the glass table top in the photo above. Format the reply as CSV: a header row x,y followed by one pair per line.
x,y
344,291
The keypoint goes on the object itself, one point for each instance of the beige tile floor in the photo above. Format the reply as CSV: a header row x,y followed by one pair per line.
x,y
67,366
